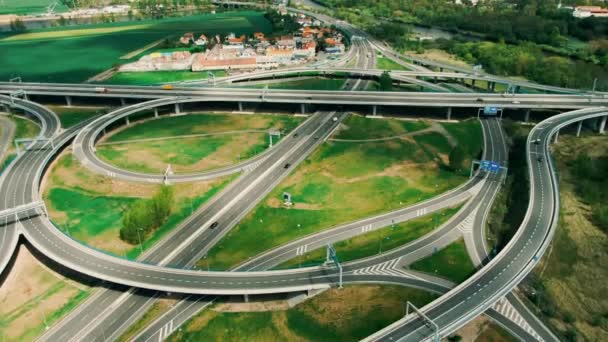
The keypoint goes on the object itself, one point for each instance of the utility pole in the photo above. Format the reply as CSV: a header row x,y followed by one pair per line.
x,y
141,245
594,84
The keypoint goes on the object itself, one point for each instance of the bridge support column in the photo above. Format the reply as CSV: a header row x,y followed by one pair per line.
x,y
240,106
177,109
517,89
246,298
374,110
603,124
122,102
527,117
493,86
303,108
555,137
579,128
127,121
473,83
449,113
440,69
156,112
68,101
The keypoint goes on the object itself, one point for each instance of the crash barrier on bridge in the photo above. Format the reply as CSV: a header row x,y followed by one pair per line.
x,y
33,144
24,211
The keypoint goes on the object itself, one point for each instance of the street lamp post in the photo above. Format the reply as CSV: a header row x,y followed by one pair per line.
x,y
141,245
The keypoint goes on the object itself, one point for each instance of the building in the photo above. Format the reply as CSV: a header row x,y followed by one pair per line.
x,y
589,11
259,36
286,42
187,38
202,40
223,58
158,61
281,56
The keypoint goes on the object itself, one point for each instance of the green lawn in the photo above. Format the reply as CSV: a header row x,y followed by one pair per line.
x,y
69,116
89,207
73,54
28,7
377,241
159,77
189,154
388,64
452,263
318,83
24,128
334,315
357,126
340,182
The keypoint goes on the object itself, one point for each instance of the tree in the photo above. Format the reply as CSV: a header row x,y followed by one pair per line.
x,y
17,25
386,82
143,216
456,158
455,338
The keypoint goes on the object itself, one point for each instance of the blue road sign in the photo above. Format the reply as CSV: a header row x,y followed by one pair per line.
x,y
488,110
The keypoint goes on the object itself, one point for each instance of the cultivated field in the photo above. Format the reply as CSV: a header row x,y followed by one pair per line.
x,y
194,142
334,315
73,54
28,7
343,181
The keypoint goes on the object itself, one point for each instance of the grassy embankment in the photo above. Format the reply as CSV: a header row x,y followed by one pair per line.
x,y
388,64
452,262
189,154
377,241
344,181
89,207
73,54
335,315
568,287
33,297
70,116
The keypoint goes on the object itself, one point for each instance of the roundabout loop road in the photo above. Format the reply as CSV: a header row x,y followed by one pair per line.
x,y
84,148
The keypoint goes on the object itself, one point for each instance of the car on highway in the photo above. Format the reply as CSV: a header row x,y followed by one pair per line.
x,y
214,225
287,165
536,141
479,99
540,158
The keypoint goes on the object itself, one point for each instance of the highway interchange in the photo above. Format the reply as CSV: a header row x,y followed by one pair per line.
x,y
165,267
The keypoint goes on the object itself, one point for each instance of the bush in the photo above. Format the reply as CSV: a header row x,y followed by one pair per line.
x,y
143,216
457,157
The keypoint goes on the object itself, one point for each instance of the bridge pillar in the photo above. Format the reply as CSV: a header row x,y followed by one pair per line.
x,y
517,89
440,69
156,112
579,128
493,86
374,110
603,124
246,298
473,83
527,117
303,108
555,137
122,102
68,101
127,120
177,109
449,113
240,106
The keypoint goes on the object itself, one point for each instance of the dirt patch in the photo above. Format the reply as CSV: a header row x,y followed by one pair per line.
x,y
200,321
30,293
280,323
261,306
472,330
440,56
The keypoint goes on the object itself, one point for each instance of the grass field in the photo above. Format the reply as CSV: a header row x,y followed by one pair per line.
x,y
317,83
89,207
568,280
33,296
358,126
388,64
73,54
158,77
377,241
452,263
28,7
189,154
69,116
340,182
335,315
24,128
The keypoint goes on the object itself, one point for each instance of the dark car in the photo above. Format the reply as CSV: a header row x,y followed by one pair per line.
x,y
295,135
213,225
540,158
479,99
287,166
